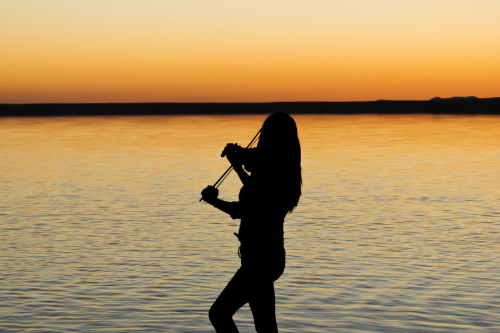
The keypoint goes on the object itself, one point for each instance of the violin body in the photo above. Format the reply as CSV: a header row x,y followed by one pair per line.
x,y
237,155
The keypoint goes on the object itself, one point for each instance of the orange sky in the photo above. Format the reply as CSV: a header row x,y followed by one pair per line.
x,y
247,51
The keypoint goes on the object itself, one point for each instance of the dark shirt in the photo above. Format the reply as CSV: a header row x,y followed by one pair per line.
x,y
262,211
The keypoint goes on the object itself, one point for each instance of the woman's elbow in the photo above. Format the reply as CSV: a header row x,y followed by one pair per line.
x,y
235,216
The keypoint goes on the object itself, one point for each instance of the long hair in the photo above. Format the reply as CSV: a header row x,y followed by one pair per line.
x,y
280,157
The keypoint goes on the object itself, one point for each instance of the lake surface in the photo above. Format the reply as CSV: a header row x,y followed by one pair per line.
x,y
101,229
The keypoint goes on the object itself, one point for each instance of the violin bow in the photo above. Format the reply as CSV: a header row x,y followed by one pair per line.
x,y
228,171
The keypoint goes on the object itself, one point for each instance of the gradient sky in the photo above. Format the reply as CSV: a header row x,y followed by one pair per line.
x,y
247,51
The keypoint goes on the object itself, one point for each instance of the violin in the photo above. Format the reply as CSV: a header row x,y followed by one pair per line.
x,y
235,147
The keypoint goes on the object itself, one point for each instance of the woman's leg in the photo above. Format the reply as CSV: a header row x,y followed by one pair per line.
x,y
253,283
262,303
233,297
262,272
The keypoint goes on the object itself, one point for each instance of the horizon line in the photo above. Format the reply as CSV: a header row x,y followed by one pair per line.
x,y
272,102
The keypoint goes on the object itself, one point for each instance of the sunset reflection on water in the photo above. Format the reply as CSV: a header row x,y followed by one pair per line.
x,y
101,228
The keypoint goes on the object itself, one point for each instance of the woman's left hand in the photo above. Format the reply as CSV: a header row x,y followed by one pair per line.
x,y
233,153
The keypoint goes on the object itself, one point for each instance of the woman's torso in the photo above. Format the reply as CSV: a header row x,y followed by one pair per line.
x,y
261,229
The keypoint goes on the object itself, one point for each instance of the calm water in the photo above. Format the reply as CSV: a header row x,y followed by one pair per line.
x,y
101,229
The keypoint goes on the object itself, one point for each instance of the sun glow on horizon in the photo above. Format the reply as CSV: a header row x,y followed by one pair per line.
x,y
222,51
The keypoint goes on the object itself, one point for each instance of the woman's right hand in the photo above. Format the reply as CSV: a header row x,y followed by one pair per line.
x,y
210,193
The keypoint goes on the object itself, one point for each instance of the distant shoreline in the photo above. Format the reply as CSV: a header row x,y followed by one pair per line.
x,y
477,106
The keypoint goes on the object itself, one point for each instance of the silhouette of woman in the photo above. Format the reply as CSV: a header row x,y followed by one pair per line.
x,y
269,193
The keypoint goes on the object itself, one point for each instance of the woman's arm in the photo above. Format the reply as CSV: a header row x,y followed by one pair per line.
x,y
230,208
233,152
210,194
244,176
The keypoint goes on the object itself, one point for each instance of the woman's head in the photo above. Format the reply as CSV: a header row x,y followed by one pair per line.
x,y
279,131
280,155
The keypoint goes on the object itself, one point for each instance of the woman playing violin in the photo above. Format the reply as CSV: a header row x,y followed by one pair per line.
x,y
269,193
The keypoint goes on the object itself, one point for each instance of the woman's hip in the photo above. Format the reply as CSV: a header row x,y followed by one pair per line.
x,y
263,262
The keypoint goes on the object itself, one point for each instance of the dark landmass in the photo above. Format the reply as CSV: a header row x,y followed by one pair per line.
x,y
466,106
453,98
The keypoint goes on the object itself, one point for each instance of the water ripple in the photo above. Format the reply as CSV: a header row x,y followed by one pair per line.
x,y
101,228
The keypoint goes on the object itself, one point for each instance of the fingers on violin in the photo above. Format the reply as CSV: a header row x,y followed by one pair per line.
x,y
230,148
